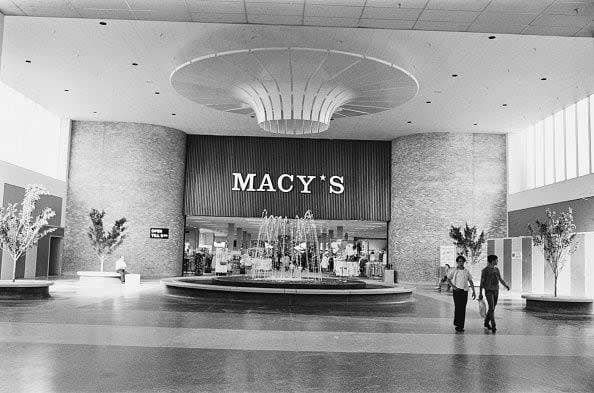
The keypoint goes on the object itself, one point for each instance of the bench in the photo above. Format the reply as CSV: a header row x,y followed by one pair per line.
x,y
104,279
132,280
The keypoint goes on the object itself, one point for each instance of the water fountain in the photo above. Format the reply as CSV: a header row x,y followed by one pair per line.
x,y
300,283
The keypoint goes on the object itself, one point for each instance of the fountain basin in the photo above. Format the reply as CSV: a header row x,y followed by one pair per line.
x,y
277,293
288,283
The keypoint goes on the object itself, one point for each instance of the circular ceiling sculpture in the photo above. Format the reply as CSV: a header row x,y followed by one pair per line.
x,y
294,90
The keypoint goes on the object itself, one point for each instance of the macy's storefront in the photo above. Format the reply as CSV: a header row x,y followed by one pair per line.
x,y
184,194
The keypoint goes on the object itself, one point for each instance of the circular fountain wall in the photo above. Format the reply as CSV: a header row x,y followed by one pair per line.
x,y
321,293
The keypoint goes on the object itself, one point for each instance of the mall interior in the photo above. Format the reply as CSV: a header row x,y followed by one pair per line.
x,y
332,138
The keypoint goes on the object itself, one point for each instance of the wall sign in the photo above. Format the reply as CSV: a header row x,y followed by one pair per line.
x,y
447,254
285,183
242,176
159,233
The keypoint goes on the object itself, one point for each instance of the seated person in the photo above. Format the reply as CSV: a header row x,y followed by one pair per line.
x,y
120,267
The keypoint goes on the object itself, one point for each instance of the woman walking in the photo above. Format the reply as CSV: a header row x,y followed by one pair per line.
x,y
490,279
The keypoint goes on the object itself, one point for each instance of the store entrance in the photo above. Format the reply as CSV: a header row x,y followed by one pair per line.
x,y
227,245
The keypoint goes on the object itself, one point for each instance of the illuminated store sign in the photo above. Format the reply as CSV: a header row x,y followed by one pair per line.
x,y
159,233
285,183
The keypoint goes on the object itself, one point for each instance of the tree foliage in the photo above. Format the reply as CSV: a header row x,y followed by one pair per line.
x,y
20,230
556,238
468,242
105,243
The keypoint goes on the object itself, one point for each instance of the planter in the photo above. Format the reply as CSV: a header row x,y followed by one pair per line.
x,y
24,289
559,305
100,279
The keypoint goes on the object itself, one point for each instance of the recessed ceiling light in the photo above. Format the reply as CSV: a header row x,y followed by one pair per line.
x,y
102,23
28,61
409,122
454,75
491,37
475,124
134,64
66,90
173,114
543,79
504,105
157,92
427,102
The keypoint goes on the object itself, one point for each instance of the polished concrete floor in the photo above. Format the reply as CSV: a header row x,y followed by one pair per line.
x,y
121,340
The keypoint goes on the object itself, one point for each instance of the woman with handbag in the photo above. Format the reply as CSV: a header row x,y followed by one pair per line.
x,y
490,279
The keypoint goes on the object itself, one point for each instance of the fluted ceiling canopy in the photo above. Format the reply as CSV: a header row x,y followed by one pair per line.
x,y
294,90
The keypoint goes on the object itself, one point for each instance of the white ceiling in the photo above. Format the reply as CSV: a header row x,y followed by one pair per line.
x,y
94,63
541,17
359,229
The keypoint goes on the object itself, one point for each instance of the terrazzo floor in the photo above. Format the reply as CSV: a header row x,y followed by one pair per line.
x,y
122,340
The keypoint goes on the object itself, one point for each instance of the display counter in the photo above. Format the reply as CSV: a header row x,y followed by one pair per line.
x,y
346,269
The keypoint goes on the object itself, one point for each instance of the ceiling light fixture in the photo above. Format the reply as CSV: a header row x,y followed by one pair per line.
x,y
294,90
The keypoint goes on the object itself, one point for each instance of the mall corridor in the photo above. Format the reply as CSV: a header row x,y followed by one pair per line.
x,y
143,341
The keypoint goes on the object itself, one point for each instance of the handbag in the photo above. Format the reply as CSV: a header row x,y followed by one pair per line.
x,y
482,308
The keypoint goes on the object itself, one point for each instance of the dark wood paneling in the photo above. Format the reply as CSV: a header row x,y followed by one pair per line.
x,y
365,165
507,260
526,264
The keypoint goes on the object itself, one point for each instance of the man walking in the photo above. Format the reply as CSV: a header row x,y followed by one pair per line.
x,y
460,280
490,279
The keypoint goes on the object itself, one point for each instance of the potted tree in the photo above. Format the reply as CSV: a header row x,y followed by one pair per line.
x,y
556,238
468,242
105,243
19,231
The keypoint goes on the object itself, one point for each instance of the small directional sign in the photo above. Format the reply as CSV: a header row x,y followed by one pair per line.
x,y
159,233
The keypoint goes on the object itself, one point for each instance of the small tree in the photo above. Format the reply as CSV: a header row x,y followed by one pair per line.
x,y
103,242
556,238
20,230
467,242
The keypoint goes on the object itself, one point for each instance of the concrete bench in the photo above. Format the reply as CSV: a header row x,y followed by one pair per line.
x,y
99,278
132,280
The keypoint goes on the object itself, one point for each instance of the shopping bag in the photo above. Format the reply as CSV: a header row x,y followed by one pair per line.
x,y
482,308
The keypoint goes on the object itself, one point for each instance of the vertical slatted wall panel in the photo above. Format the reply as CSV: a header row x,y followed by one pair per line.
x,y
365,166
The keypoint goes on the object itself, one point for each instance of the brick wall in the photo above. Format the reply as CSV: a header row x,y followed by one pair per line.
x,y
130,170
440,179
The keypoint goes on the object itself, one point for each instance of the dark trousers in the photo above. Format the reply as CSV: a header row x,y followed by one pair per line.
x,y
491,297
460,301
122,275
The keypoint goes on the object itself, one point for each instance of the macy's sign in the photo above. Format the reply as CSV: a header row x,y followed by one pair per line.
x,y
285,183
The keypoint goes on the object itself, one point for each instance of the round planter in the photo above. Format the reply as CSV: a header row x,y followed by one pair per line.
x,y
559,304
24,289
